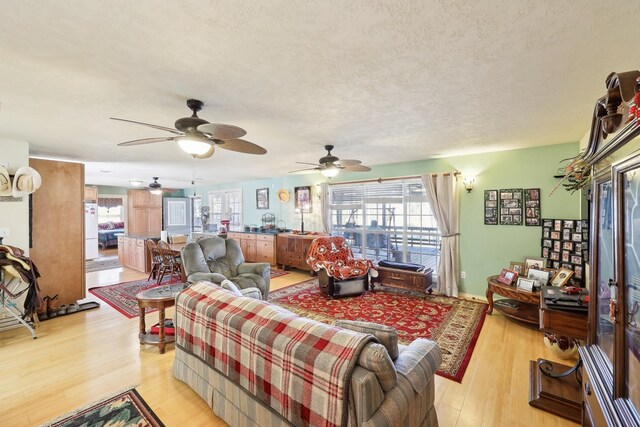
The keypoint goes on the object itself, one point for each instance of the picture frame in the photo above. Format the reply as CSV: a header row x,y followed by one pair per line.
x,y
534,263
532,207
491,207
561,277
262,198
541,276
303,199
507,276
525,284
518,267
511,207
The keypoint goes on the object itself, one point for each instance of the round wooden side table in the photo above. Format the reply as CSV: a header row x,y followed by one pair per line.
x,y
159,297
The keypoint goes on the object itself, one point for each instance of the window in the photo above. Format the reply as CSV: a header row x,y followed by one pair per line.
x,y
110,209
225,204
390,220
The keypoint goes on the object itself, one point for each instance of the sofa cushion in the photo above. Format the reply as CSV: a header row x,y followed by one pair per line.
x,y
375,358
418,362
386,335
230,286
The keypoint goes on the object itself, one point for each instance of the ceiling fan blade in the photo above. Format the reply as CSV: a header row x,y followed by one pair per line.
x,y
357,168
220,131
172,130
208,154
146,141
348,162
302,171
241,146
305,163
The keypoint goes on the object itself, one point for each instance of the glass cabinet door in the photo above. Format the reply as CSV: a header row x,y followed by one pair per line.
x,y
630,195
605,269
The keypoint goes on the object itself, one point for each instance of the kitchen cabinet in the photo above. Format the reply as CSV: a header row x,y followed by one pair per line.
x,y
144,213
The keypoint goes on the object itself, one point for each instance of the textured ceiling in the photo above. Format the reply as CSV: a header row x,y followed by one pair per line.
x,y
383,81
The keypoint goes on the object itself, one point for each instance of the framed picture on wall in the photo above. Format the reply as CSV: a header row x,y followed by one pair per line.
x,y
262,198
303,199
491,207
532,206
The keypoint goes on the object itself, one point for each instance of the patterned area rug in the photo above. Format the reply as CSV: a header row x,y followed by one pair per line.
x,y
102,264
125,409
453,323
277,273
122,296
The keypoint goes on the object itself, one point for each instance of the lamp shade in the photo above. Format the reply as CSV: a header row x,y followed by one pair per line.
x,y
194,144
330,170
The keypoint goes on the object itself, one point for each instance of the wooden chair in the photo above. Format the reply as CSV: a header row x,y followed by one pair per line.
x,y
155,257
170,262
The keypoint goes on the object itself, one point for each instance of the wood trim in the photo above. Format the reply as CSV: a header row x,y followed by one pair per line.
x,y
362,181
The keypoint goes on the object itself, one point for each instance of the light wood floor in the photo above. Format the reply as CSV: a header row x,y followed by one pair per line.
x,y
81,358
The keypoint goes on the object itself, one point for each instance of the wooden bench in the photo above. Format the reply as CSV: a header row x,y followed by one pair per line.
x,y
417,281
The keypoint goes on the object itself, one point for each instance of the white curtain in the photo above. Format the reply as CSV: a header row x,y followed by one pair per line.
x,y
324,206
442,194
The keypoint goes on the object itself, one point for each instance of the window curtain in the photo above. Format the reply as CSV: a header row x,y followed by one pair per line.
x,y
109,202
442,194
324,206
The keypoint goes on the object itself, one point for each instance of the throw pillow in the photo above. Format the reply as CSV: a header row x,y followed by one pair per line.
x,y
375,358
230,286
386,335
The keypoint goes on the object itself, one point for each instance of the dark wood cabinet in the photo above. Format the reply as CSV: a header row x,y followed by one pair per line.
x,y
611,358
291,250
417,281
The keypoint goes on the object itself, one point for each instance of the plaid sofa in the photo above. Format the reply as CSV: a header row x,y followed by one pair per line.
x,y
378,391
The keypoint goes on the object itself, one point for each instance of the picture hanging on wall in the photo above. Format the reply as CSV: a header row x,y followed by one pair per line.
x,y
303,199
532,206
511,206
262,198
491,207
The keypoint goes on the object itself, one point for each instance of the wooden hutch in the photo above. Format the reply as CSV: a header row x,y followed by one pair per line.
x,y
611,358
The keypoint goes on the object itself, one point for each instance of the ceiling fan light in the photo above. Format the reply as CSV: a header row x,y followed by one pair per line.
x,y
157,192
136,183
194,144
330,171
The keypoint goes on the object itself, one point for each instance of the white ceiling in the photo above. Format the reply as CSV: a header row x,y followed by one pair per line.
x,y
383,81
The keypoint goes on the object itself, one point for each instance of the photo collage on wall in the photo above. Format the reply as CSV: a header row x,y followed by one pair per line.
x,y
514,206
565,244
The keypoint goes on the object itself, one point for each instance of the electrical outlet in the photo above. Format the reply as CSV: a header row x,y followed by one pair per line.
x,y
4,232
463,274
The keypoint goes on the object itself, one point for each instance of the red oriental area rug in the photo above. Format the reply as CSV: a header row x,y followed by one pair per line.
x,y
122,296
453,323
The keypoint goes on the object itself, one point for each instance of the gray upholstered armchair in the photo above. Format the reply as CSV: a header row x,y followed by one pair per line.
x,y
215,259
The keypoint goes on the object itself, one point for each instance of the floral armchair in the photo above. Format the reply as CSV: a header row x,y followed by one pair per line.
x,y
339,273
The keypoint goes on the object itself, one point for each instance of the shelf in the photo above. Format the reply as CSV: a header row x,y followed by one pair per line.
x,y
523,311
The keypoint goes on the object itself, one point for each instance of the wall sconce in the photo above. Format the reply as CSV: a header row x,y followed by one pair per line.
x,y
468,182
318,191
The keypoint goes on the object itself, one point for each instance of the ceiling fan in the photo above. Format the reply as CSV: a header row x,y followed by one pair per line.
x,y
331,166
156,188
198,137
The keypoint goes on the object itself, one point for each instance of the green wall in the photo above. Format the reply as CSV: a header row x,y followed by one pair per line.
x,y
484,249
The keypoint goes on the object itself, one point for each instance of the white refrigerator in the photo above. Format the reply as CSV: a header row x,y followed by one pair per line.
x,y
91,230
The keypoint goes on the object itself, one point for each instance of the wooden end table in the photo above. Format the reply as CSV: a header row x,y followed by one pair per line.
x,y
520,305
159,297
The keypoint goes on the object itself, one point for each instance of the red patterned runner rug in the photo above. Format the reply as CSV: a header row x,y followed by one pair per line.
x,y
453,323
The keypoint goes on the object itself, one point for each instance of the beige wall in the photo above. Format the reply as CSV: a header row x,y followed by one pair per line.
x,y
15,215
